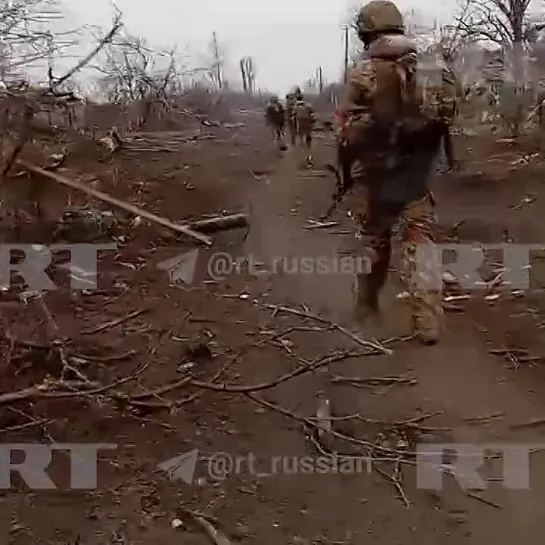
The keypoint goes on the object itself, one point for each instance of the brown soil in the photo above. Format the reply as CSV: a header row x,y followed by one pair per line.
x,y
474,395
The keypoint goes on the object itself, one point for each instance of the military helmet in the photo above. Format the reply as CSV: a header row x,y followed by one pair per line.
x,y
379,16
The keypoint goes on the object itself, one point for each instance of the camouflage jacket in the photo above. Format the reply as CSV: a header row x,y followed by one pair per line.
x,y
274,109
274,112
373,86
304,112
290,105
439,90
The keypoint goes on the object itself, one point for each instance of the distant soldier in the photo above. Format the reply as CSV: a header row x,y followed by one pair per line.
x,y
275,118
291,100
305,118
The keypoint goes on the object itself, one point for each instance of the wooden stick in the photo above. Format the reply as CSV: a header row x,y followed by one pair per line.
x,y
112,200
211,225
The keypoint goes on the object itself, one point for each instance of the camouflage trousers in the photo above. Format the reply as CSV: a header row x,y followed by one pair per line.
x,y
277,130
304,132
292,128
420,271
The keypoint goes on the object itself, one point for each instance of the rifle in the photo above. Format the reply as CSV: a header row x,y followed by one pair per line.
x,y
342,174
346,156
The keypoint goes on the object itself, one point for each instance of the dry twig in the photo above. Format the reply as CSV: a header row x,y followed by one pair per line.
x,y
114,323
375,345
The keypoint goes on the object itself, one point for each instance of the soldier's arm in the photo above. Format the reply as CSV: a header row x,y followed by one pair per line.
x,y
356,95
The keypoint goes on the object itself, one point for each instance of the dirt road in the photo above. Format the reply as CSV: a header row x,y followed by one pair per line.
x,y
457,391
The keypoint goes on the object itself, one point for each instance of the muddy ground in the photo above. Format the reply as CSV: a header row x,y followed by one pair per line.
x,y
218,366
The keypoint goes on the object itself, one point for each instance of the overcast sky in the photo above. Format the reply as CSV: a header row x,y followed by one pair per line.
x,y
288,39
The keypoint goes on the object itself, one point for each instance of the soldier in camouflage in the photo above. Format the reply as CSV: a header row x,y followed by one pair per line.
x,y
382,90
291,101
305,118
275,119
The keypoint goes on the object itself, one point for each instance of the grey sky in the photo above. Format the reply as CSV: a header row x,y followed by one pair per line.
x,y
288,39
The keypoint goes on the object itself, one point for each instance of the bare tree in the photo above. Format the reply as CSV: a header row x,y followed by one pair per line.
x,y
320,79
310,85
132,70
243,75
216,72
247,71
506,23
26,34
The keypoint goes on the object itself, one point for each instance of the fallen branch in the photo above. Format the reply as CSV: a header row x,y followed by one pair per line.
x,y
389,453
374,381
320,225
137,402
300,370
57,343
484,417
112,200
19,427
107,359
410,423
483,500
24,134
534,422
212,533
44,390
116,322
211,225
396,480
375,345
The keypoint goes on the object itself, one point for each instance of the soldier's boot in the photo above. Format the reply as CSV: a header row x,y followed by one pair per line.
x,y
368,288
293,135
427,318
367,300
426,329
281,139
310,160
